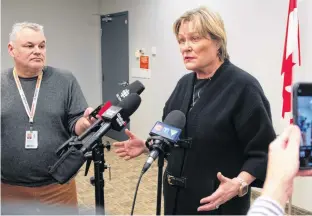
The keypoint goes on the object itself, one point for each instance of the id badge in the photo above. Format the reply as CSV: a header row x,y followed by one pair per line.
x,y
31,141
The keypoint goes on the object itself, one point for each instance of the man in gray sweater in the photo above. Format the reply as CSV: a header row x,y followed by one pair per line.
x,y
41,107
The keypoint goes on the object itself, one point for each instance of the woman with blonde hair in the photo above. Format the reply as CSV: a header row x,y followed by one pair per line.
x,y
228,119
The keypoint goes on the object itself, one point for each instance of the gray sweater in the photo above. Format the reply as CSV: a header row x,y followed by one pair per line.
x,y
60,104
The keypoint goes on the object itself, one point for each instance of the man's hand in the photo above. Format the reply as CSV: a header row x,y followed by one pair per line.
x,y
84,122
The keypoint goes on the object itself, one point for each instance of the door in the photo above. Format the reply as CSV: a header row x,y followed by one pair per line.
x,y
115,59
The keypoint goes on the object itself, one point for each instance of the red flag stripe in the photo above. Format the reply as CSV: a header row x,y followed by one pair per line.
x,y
287,63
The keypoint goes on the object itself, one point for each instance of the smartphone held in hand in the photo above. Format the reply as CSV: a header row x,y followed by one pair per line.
x,y
302,113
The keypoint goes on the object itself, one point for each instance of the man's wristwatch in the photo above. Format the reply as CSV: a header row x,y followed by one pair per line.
x,y
243,189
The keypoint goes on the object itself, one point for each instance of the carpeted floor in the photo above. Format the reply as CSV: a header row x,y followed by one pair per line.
x,y
119,191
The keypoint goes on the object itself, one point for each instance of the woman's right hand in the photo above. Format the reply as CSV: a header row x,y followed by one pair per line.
x,y
131,148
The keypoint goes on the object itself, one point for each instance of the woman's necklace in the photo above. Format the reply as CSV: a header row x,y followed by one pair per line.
x,y
201,87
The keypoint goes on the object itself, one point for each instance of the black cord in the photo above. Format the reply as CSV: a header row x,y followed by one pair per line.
x,y
136,192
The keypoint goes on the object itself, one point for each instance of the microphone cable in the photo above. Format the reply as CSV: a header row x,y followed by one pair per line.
x,y
136,192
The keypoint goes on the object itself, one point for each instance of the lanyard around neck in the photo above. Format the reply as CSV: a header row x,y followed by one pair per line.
x,y
30,113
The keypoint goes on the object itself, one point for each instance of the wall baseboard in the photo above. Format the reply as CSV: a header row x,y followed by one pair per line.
x,y
294,209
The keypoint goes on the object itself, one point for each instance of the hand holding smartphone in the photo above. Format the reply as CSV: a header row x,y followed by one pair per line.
x,y
302,114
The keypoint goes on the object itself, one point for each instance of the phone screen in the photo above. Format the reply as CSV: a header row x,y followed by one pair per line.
x,y
304,121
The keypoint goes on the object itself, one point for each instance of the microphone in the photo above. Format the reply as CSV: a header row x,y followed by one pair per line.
x,y
164,134
116,118
135,87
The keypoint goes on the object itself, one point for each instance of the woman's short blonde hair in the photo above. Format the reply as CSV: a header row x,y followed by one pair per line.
x,y
206,22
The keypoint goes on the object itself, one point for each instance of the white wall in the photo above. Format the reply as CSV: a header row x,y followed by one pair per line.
x,y
256,32
73,37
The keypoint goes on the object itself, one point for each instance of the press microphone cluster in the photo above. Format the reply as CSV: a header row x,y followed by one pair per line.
x,y
113,117
116,118
134,88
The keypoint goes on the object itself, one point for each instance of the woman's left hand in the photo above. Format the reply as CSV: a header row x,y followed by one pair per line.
x,y
228,189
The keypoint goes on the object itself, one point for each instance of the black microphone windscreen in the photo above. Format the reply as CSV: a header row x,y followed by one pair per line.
x,y
130,104
176,118
136,87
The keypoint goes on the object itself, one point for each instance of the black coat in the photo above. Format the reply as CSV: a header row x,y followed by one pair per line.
x,y
231,128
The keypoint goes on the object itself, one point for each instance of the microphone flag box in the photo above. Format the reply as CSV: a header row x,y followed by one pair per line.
x,y
169,132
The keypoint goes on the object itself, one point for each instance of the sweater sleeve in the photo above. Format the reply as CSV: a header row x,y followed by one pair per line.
x,y
76,105
265,206
255,131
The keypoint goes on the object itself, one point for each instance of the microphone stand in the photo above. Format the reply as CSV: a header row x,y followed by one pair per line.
x,y
160,180
162,147
97,155
163,151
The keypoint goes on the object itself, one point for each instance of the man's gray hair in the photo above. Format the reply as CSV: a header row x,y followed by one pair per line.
x,y
17,27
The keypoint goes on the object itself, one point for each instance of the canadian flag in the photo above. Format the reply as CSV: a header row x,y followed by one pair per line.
x,y
291,57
